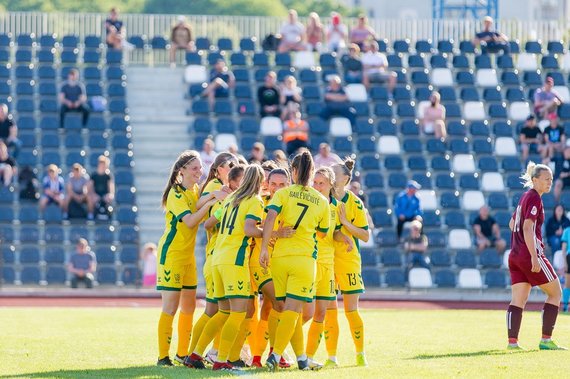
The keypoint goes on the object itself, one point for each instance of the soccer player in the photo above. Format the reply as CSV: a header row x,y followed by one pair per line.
x,y
324,288
176,275
293,259
347,264
527,263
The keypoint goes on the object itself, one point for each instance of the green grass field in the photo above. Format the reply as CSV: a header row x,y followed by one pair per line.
x,y
120,343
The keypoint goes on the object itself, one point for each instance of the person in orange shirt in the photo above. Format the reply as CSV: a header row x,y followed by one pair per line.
x,y
295,133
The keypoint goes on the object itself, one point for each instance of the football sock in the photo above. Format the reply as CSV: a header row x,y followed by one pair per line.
x,y
184,332
549,315
272,323
314,337
356,329
252,333
285,330
297,340
331,331
164,334
514,319
216,343
235,350
261,338
213,326
230,332
197,331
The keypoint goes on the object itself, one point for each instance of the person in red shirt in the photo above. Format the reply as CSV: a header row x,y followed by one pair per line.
x,y
528,265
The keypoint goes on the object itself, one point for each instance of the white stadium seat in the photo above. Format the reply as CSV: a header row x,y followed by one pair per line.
x,y
470,278
389,145
472,200
304,59
563,92
527,62
492,182
505,147
271,126
565,66
487,77
543,124
441,77
340,127
356,92
195,74
428,199
459,239
420,277
422,106
506,258
519,110
474,111
558,261
463,164
223,141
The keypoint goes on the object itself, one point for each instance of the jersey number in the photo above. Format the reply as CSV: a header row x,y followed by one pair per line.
x,y
351,279
303,212
228,222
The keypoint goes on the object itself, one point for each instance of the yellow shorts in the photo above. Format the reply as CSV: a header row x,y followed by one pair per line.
x,y
325,285
349,277
293,277
231,281
176,274
209,282
259,277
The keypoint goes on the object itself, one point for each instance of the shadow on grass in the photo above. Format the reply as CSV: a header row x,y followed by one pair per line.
x,y
468,354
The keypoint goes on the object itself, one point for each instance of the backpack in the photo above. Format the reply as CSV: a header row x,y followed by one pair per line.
x,y
270,43
29,184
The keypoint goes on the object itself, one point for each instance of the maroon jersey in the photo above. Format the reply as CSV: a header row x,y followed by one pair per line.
x,y
530,207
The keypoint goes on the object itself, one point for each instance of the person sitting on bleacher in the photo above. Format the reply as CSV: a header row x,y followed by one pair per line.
x,y
491,41
291,96
375,68
115,37
53,188
295,133
102,185
257,154
337,102
362,32
9,131
487,232
180,38
207,156
336,34
562,174
82,265
77,192
407,206
221,80
554,138
546,99
73,97
268,96
416,246
530,138
555,225
352,65
315,32
325,157
433,121
7,165
292,34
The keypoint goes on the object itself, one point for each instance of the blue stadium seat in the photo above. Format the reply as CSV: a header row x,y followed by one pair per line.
x,y
377,199
445,279
203,43
444,181
251,125
106,275
52,214
416,162
489,258
129,234
416,61
387,238
8,254
515,47
468,182
431,219
445,46
460,62
308,76
283,59
118,106
514,182
397,180
532,78
503,218
549,62
247,44
505,62
394,61
469,94
157,43
422,93
225,125
369,162
465,78
28,158
440,258
533,47
455,219
23,56
127,216
401,46
488,164
6,194
125,196
391,257
459,146
30,275
91,57
129,254
366,145
371,277
424,46
25,106
327,60
238,59
447,94
440,163
465,259
92,42
424,179
395,278
73,140
379,93
193,58
105,254
124,177
54,254
502,129
361,109
483,146
383,110
115,57
555,47
406,110
119,124
497,111
29,214
54,234
435,145
25,40
69,56
479,128
449,200
225,44
29,254
466,47
373,180
115,73
130,275
69,41
495,279
244,108
104,234
56,275
368,257
438,61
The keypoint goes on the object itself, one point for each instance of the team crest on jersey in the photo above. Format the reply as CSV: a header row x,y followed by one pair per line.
x,y
534,211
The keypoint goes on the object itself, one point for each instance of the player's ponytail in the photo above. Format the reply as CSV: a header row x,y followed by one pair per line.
x,y
250,184
346,167
220,160
533,170
305,167
174,178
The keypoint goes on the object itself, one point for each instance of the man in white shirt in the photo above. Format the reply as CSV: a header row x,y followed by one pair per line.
x,y
375,68
292,34
325,157
207,156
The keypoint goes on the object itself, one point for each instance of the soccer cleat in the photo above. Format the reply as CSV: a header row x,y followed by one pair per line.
x,y
515,347
178,360
303,365
239,363
211,356
330,364
256,362
164,362
550,345
271,363
283,363
194,361
361,360
223,366
315,366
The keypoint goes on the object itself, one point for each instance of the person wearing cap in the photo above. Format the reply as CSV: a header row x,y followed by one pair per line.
x,y
530,138
554,138
491,41
221,80
77,190
546,99
407,206
325,157
180,38
336,33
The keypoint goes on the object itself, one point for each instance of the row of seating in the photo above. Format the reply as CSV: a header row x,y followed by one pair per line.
x,y
52,254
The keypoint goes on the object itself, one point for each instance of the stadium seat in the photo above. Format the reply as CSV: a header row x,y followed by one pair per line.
x,y
106,275
304,59
469,94
395,278
474,111
438,61
30,275
428,199
56,275
505,146
489,258
195,74
487,78
488,164
519,111
441,77
388,145
445,46
527,62
459,239
463,163
54,234
440,258
387,238
419,277
492,182
270,126
465,259
460,62
472,200
445,279
495,279
470,278
505,62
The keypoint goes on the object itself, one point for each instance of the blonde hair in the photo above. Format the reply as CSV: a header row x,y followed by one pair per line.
x,y
328,173
250,184
533,170
416,224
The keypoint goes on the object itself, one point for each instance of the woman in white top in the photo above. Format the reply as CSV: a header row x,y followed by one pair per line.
x,y
433,121
290,97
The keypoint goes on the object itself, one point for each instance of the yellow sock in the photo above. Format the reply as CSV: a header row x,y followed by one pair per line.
x,y
272,323
297,340
164,334
314,337
261,338
252,334
197,331
212,328
184,332
285,330
331,331
230,332
244,330
356,330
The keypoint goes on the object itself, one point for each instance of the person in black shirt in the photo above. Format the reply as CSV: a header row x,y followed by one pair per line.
x,y
563,172
555,226
487,232
221,80
9,131
73,97
491,41
530,138
102,186
268,96
114,29
554,138
7,165
337,102
352,65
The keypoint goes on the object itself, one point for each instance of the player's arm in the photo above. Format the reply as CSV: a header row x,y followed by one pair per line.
x,y
218,195
529,240
355,231
251,229
266,237
193,219
210,223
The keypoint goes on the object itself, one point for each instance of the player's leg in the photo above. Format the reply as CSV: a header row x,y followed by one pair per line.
x,y
185,319
244,329
356,325
262,334
550,311
331,333
316,329
519,293
230,330
170,301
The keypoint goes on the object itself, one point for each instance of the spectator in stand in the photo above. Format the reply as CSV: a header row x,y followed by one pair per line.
x,y
433,121
491,41
337,102
77,190
416,246
291,96
295,133
352,65
555,226
257,154
487,232
292,34
115,32
554,138
180,39
546,99
337,32
530,138
9,131
325,157
280,158
82,265
407,206
53,188
73,97
7,165
362,32
102,185
207,156
375,68
268,96
232,148
221,80
315,32
563,171
148,260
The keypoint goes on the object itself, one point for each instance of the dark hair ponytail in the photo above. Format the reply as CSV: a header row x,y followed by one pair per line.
x,y
305,167
347,166
183,159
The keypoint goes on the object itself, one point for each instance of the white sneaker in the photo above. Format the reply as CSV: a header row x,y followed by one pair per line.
x,y
211,356
245,354
314,365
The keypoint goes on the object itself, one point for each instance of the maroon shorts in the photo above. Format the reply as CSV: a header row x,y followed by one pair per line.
x,y
520,269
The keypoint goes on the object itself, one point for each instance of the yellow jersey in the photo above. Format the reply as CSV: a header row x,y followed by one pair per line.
x,y
356,214
325,244
178,239
233,247
256,248
307,211
213,185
